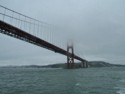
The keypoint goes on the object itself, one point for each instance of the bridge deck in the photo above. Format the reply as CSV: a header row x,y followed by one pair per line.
x,y
15,32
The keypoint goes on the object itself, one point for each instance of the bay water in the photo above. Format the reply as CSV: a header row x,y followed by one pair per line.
x,y
106,80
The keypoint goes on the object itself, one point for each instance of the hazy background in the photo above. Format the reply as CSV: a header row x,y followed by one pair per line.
x,y
97,28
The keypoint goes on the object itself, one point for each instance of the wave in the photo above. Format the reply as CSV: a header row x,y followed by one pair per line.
x,y
121,87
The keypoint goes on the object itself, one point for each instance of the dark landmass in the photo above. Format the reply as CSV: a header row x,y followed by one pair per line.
x,y
78,65
91,64
103,64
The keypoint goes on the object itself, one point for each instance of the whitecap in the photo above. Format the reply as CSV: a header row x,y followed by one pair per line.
x,y
123,80
121,90
77,84
121,87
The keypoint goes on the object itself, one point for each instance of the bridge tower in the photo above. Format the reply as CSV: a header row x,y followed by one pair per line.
x,y
70,56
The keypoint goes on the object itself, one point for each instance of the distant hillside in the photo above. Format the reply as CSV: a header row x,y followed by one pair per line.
x,y
103,64
99,64
78,65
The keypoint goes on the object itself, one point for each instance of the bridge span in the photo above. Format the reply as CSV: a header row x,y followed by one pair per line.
x,y
13,31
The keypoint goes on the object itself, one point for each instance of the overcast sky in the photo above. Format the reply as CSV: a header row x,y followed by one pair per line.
x,y
96,26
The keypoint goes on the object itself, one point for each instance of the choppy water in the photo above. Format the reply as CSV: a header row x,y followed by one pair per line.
x,y
62,81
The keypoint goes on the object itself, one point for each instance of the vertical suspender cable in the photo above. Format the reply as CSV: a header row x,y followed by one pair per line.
x,y
4,14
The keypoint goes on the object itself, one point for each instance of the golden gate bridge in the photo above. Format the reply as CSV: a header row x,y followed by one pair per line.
x,y
28,29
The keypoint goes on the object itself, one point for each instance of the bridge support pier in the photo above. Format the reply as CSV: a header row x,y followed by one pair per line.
x,y
84,64
70,57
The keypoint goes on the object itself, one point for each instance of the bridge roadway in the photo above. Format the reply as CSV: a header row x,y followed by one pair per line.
x,y
15,32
